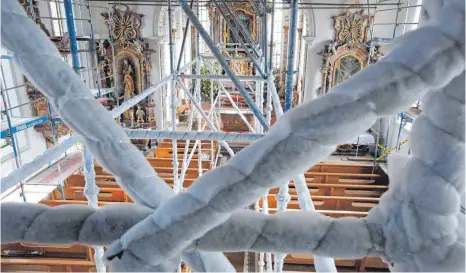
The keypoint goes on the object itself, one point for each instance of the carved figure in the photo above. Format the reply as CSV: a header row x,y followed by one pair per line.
x,y
128,80
102,49
140,115
139,47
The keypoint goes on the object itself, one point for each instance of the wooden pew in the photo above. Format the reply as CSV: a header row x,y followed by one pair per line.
x,y
108,181
59,202
339,203
359,264
351,178
168,162
330,213
35,257
46,251
181,144
161,171
341,167
349,190
105,194
168,152
46,265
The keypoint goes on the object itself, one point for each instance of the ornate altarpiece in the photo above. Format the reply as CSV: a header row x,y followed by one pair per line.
x,y
39,103
245,13
132,65
348,53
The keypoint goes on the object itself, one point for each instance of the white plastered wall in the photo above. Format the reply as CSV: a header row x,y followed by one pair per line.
x,y
29,142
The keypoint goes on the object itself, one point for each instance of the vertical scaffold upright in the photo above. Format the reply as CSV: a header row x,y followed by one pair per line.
x,y
91,189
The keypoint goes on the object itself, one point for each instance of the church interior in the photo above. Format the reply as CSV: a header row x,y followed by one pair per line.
x,y
232,135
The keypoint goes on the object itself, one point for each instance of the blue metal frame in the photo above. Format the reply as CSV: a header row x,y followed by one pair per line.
x,y
289,80
271,37
94,49
21,127
72,34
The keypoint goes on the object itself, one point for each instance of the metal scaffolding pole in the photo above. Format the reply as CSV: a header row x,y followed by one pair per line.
x,y
173,100
195,21
185,163
13,142
197,96
220,77
291,55
88,160
188,161
209,67
185,34
204,116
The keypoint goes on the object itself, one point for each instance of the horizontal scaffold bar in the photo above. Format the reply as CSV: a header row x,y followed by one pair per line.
x,y
230,58
221,78
51,154
190,135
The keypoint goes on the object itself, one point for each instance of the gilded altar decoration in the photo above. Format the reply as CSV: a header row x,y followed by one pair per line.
x,y
349,52
39,103
248,19
126,26
126,66
33,12
352,27
140,114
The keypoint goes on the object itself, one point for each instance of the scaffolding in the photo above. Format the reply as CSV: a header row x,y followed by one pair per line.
x,y
403,117
15,123
258,52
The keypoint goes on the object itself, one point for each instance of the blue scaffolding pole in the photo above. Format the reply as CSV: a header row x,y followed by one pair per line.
x,y
13,142
291,55
91,189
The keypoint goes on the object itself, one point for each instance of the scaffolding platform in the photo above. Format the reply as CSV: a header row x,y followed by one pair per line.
x,y
103,91
42,184
19,124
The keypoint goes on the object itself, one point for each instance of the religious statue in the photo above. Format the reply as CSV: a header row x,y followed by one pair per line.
x,y
139,47
102,49
376,54
140,114
332,47
128,80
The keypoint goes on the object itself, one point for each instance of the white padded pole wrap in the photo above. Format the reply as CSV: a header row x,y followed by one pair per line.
x,y
431,57
415,227
40,60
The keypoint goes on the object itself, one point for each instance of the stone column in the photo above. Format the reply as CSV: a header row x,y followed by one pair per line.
x,y
302,73
155,77
165,66
296,88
